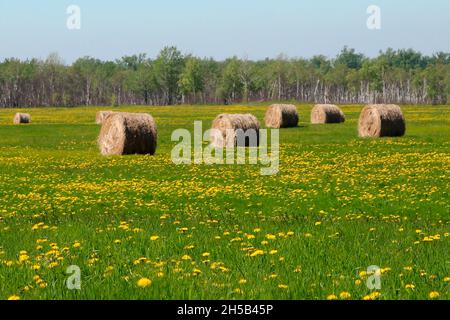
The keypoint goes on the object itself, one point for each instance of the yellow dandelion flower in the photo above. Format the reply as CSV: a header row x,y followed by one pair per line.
x,y
332,297
345,295
196,271
144,282
186,257
282,286
257,253
154,238
242,281
206,254
14,297
410,286
434,295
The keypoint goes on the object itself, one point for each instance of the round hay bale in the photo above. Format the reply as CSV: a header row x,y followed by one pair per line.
x,y
22,118
327,113
381,120
282,116
102,115
228,127
128,133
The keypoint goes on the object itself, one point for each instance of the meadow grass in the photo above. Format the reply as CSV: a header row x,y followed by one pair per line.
x,y
338,205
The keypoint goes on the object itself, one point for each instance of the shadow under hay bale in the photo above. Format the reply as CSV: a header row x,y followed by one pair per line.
x,y
22,118
282,116
327,113
381,120
128,133
230,130
102,115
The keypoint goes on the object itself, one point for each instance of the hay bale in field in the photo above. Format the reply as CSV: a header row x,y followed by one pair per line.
x,y
128,133
281,116
381,120
231,130
22,118
327,113
102,115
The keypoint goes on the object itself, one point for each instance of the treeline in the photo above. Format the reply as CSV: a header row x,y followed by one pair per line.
x,y
402,76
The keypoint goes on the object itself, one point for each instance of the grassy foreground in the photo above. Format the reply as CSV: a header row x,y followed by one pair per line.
x,y
338,205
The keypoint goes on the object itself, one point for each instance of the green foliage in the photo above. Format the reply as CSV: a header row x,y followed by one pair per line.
x,y
395,76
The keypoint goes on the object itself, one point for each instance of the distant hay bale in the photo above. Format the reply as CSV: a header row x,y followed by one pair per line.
x,y
102,115
230,130
327,113
22,118
128,133
381,120
282,116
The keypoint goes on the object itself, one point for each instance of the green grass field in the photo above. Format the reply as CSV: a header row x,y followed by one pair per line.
x,y
338,205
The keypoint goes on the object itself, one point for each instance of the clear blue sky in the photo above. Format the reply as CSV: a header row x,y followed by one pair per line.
x,y
220,28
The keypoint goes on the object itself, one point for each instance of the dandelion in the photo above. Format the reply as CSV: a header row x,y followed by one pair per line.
x,y
14,297
358,282
447,279
242,281
154,238
23,257
410,286
271,236
196,271
373,296
186,257
408,268
272,252
332,297
257,253
206,254
318,223
283,286
144,282
345,295
434,295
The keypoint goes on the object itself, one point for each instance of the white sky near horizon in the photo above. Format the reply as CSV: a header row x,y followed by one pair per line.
x,y
254,29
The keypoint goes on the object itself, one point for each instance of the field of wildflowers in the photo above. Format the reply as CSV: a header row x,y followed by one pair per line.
x,y
140,227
